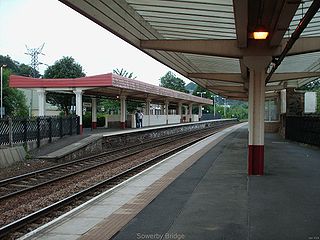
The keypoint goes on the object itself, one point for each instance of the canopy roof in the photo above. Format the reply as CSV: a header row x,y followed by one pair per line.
x,y
110,85
207,40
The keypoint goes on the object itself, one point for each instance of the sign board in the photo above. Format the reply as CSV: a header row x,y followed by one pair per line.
x,y
86,104
310,102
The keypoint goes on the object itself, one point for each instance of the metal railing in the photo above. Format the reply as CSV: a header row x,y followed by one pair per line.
x,y
305,129
23,130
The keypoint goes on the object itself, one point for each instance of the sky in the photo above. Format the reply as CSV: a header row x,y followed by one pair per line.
x,y
64,32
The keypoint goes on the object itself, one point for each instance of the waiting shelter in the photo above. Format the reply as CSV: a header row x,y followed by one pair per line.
x,y
246,50
117,87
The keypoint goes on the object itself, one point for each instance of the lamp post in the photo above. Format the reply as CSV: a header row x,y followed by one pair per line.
x,y
214,106
201,93
224,108
1,108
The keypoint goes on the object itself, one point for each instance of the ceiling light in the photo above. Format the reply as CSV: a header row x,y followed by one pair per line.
x,y
260,33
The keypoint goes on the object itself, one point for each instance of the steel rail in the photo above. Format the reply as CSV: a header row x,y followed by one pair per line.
x,y
6,181
93,161
9,228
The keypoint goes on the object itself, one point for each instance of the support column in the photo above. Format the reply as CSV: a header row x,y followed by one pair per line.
x,y
42,102
166,109
123,111
190,112
180,111
277,103
148,107
257,67
162,109
94,113
200,112
79,107
148,103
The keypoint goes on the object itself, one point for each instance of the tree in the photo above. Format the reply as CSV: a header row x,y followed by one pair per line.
x,y
312,86
191,87
63,68
12,65
113,105
14,100
171,81
202,92
25,70
17,68
124,73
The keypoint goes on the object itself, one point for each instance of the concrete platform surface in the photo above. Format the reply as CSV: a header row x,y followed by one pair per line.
x,y
215,199
205,193
116,207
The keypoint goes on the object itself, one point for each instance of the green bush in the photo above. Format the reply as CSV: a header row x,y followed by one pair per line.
x,y
87,120
100,121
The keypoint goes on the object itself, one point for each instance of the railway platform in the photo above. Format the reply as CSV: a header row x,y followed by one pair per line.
x,y
92,142
69,143
204,192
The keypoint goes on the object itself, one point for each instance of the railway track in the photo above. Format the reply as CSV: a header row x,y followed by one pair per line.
x,y
20,184
91,191
16,185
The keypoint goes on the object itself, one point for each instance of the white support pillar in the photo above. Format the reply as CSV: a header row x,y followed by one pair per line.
x,y
41,101
78,93
200,112
283,101
277,103
147,113
186,110
257,67
162,109
190,112
94,113
123,111
148,104
180,111
166,109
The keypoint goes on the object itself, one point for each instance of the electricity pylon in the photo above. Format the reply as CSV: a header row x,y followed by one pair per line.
x,y
34,52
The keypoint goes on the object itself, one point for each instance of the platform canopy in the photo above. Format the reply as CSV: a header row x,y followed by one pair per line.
x,y
208,41
111,86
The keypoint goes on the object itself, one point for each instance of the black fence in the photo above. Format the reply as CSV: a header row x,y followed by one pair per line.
x,y
305,129
23,130
210,116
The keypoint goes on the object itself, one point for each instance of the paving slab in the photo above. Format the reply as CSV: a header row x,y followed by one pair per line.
x,y
125,201
215,199
285,203
201,203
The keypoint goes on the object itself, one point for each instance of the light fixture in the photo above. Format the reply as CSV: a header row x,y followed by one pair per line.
x,y
260,33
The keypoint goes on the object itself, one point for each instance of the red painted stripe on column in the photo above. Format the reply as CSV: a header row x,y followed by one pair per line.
x,y
122,125
81,129
255,159
94,125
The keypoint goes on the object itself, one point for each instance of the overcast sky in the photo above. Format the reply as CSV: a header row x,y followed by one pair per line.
x,y
67,33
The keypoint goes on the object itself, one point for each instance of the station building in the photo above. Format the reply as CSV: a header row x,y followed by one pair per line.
x,y
249,50
116,87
